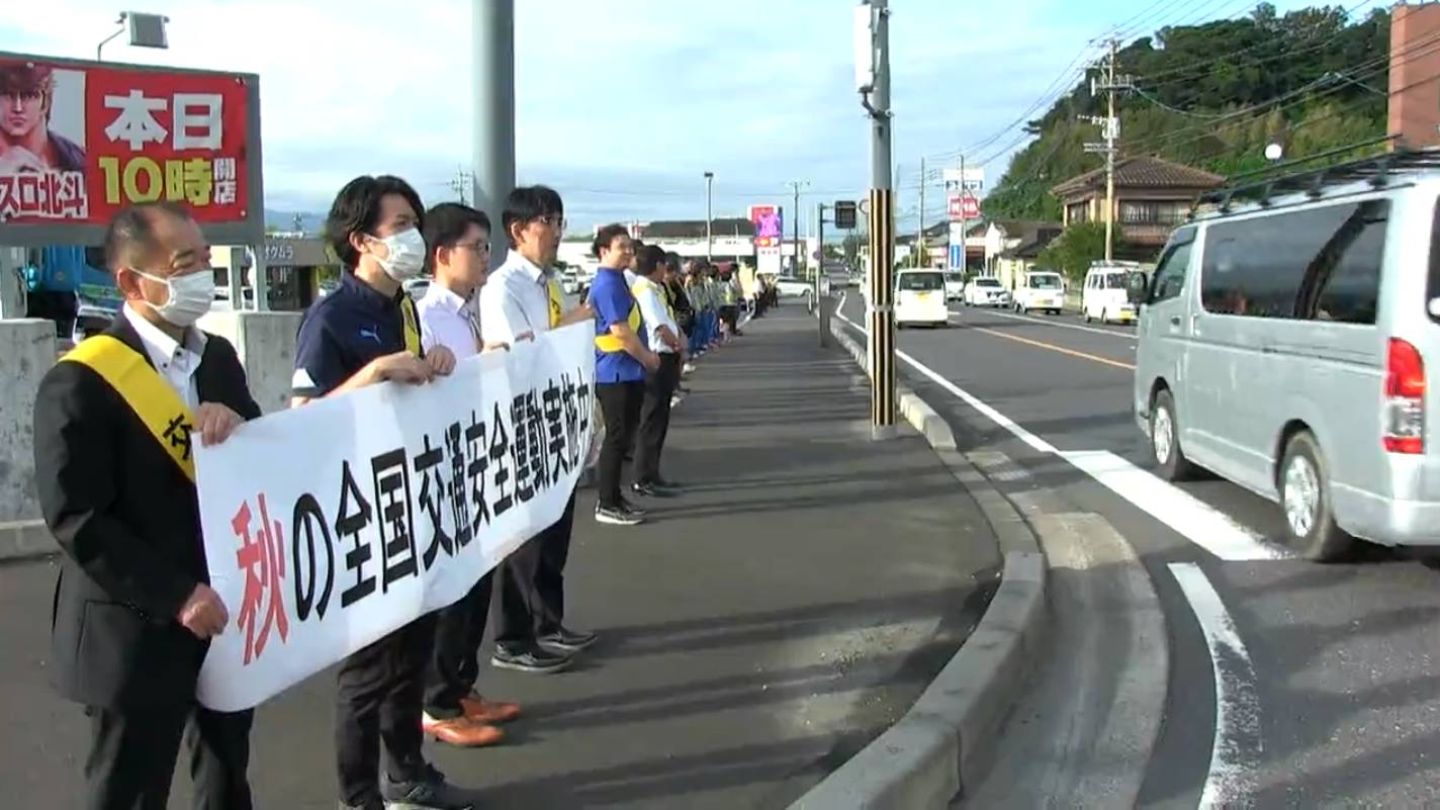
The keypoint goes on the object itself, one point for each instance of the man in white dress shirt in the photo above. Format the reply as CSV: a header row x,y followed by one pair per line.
x,y
457,253
520,301
663,337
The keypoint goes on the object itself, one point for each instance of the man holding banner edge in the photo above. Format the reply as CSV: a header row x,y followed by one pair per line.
x,y
365,333
133,607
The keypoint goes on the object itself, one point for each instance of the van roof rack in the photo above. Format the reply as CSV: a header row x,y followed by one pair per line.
x,y
1261,185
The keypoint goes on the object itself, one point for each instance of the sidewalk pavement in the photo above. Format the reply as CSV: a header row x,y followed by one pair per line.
x,y
756,632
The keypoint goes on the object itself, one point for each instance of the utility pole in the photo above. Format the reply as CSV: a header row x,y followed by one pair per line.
x,y
709,215
1111,126
795,186
922,258
461,184
880,311
494,112
964,237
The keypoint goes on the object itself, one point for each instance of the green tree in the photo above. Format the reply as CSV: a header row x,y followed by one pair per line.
x,y
1072,252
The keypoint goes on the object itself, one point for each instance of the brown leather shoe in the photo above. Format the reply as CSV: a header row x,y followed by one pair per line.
x,y
488,711
461,731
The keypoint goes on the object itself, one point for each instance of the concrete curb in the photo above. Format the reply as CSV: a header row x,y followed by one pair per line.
x,y
926,759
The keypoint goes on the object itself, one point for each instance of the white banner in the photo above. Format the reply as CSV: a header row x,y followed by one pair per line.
x,y
328,526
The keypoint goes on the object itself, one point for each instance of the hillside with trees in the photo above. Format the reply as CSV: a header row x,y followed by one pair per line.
x,y
1214,96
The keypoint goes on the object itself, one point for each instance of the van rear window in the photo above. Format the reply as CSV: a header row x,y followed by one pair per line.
x,y
921,281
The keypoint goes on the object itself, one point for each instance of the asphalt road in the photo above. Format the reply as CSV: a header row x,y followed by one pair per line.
x,y
755,634
1329,689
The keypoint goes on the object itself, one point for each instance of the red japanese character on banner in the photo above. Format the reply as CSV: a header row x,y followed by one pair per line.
x,y
262,557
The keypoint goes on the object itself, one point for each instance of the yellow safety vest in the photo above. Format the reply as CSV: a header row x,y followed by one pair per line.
x,y
643,284
164,413
412,326
557,301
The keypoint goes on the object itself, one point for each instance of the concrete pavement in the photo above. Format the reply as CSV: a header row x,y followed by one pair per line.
x,y
759,631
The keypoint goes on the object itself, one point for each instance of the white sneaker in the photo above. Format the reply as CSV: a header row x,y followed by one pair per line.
x,y
688,369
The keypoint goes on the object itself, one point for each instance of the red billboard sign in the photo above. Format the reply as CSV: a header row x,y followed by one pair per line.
x,y
79,141
966,207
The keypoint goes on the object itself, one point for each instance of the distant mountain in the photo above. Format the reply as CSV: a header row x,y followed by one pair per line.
x,y
311,223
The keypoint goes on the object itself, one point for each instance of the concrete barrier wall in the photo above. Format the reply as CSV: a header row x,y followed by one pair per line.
x,y
265,342
27,350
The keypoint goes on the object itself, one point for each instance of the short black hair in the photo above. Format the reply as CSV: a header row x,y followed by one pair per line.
x,y
605,236
672,260
648,260
357,210
446,224
130,236
525,204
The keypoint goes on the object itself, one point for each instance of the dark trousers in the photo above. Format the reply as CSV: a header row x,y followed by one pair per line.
x,y
455,665
532,585
132,757
655,417
620,403
379,695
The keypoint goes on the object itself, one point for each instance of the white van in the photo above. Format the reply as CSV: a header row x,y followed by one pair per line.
x,y
920,298
1284,343
1042,290
1106,294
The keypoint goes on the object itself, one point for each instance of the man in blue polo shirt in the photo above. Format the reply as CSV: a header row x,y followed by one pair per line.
x,y
365,333
621,360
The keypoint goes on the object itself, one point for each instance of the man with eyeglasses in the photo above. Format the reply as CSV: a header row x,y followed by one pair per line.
x,y
518,302
457,253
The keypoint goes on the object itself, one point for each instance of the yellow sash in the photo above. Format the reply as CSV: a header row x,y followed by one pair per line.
x,y
412,325
152,399
557,301
609,343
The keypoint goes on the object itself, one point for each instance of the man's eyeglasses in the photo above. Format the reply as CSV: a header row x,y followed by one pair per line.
x,y
478,248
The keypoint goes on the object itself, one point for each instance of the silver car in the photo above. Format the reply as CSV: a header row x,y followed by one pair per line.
x,y
1283,346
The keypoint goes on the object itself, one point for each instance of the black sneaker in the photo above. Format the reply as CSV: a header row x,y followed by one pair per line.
x,y
618,516
375,805
429,793
649,490
568,640
666,483
631,508
535,660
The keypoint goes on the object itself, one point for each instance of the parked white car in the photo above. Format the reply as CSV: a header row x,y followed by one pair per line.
x,y
1043,290
985,291
954,286
793,287
1106,294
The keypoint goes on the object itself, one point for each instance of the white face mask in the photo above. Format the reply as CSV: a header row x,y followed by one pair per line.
x,y
405,254
191,296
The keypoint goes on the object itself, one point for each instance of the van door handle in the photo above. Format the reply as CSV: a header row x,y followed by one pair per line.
x,y
1174,320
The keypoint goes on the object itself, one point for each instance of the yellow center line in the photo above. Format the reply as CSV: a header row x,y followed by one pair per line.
x,y
1052,347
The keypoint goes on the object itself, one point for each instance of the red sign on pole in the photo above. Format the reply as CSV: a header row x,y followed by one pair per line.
x,y
78,142
966,207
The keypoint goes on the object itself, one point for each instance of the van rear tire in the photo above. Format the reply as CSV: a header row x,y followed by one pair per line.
x,y
1304,483
1170,461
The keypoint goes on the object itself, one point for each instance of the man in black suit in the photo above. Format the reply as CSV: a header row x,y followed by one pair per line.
x,y
133,612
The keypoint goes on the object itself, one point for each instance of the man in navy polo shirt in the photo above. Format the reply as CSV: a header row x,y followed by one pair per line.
x,y
621,360
365,333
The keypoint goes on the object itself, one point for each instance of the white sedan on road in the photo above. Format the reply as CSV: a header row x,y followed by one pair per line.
x,y
986,292
793,287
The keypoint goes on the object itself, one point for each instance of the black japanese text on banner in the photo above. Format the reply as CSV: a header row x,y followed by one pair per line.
x,y
328,526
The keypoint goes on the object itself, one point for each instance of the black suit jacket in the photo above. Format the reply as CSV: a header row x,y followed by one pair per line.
x,y
129,523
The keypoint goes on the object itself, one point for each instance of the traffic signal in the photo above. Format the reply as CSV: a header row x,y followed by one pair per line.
x,y
845,214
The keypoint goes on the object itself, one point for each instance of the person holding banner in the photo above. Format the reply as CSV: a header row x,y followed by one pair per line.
x,y
522,300
457,252
133,610
362,334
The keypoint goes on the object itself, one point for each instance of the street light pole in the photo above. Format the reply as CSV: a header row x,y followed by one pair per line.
x,y
494,113
709,216
795,185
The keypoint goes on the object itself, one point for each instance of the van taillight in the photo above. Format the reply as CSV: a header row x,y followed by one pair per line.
x,y
1404,399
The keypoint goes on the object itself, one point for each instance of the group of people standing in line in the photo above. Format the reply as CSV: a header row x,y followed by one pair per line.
x,y
133,610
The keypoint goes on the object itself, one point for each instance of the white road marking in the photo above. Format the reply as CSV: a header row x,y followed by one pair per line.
x,y
1057,324
1190,517
1238,743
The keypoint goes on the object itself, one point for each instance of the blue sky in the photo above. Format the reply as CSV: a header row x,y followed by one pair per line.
x,y
623,104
